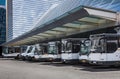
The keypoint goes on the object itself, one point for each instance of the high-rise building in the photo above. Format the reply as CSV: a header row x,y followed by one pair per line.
x,y
2,27
2,24
23,14
2,2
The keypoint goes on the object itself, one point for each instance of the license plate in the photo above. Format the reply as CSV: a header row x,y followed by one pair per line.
x,y
83,61
46,54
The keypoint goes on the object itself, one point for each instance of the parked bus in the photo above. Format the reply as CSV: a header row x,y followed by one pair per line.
x,y
105,49
53,52
30,53
70,50
24,54
35,54
11,52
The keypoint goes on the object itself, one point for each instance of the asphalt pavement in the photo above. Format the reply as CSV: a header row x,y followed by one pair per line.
x,y
16,69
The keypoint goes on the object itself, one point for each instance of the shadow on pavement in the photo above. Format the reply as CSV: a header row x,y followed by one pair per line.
x,y
81,67
91,68
84,67
7,59
57,64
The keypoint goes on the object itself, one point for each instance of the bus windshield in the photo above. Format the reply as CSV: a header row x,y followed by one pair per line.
x,y
30,49
66,47
52,49
38,51
98,45
71,46
85,48
24,49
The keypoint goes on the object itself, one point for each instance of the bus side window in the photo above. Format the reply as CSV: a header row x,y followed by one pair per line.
x,y
111,47
118,42
59,48
76,48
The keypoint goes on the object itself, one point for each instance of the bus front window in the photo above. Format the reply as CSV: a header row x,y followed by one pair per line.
x,y
52,49
44,49
30,50
68,47
98,45
111,45
85,48
38,51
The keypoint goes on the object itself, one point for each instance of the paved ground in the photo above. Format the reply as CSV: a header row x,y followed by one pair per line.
x,y
13,69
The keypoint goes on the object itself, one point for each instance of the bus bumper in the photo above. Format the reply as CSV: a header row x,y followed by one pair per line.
x,y
70,60
50,59
84,61
104,63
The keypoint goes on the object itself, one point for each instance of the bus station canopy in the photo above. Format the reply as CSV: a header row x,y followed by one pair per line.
x,y
77,20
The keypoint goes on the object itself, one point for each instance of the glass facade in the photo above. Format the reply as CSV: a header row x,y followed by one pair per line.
x,y
2,25
2,2
25,13
68,5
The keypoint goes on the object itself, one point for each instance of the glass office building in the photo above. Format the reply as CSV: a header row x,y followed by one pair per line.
x,y
67,5
2,2
23,14
2,24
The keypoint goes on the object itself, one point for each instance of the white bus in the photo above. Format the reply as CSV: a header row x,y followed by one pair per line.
x,y
53,51
105,49
11,52
37,54
70,50
30,53
23,54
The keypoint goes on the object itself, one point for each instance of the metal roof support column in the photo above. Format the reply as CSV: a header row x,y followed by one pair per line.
x,y
118,18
